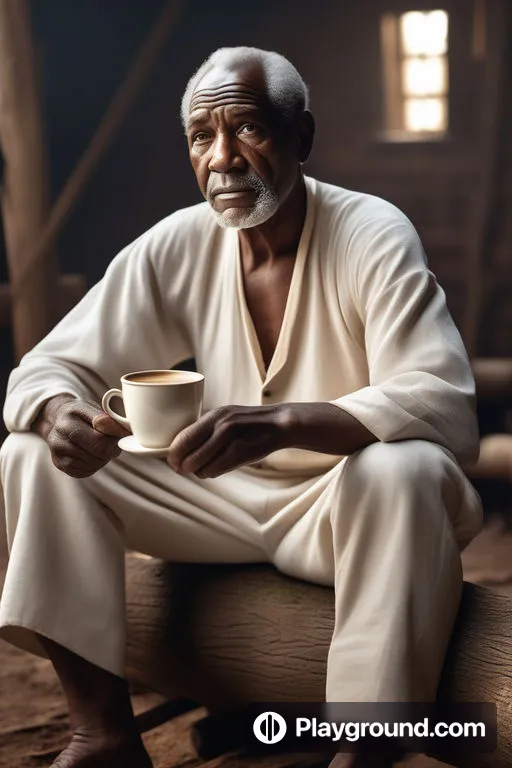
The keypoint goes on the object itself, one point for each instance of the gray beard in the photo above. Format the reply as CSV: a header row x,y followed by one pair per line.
x,y
266,205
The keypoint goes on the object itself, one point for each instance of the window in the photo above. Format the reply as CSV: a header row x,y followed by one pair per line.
x,y
415,64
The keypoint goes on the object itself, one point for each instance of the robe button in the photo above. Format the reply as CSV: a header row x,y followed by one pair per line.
x,y
267,393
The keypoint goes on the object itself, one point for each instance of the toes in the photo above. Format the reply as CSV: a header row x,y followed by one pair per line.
x,y
133,756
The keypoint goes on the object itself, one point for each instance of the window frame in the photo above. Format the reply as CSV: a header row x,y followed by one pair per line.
x,y
393,57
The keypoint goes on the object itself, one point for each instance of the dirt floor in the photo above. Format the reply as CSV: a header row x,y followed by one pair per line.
x,y
33,718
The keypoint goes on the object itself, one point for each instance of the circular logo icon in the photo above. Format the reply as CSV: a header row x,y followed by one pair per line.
x,y
269,727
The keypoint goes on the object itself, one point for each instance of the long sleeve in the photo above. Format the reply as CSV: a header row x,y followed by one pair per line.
x,y
121,325
421,384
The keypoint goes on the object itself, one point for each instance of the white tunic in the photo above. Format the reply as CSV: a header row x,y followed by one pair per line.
x,y
366,327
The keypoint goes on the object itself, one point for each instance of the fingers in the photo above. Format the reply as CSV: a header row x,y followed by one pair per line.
x,y
93,415
75,465
108,426
224,461
88,442
76,447
189,440
206,453
226,438
81,454
81,409
72,430
204,441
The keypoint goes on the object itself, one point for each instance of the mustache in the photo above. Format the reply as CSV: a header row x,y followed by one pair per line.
x,y
238,185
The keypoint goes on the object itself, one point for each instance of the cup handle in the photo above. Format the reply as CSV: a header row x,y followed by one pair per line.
x,y
105,404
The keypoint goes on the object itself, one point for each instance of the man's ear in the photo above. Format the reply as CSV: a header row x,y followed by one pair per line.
x,y
306,134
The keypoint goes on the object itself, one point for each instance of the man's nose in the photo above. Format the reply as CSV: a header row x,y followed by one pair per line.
x,y
225,155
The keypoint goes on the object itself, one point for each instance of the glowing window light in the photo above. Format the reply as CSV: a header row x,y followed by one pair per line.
x,y
424,33
424,77
425,114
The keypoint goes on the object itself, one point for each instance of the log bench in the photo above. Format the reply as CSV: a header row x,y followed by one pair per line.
x,y
224,636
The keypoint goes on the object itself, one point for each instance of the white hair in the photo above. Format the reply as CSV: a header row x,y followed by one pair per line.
x,y
287,91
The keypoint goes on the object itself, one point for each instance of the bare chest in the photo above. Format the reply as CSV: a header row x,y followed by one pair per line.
x,y
266,294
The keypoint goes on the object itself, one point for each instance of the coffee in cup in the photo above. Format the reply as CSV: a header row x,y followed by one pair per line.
x,y
158,404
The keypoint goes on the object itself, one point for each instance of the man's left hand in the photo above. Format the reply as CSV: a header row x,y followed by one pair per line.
x,y
229,437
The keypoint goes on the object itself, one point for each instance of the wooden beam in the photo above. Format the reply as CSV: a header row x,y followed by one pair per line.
x,y
24,194
493,378
479,42
67,292
109,127
495,95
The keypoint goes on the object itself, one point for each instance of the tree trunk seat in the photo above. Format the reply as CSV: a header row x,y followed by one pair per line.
x,y
225,636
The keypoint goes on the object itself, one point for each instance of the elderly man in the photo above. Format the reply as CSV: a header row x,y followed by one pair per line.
x,y
339,406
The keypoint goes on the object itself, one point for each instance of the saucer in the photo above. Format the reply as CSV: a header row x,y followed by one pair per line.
x,y
131,445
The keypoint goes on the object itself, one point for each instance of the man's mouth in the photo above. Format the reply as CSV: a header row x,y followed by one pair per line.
x,y
232,192
234,195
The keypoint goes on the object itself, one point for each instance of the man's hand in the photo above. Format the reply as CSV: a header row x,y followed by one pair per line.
x,y
233,436
227,438
82,438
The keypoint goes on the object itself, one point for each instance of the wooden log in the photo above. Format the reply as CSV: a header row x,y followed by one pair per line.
x,y
224,636
198,599
25,189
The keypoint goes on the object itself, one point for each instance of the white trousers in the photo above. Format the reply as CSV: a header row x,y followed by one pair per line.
x,y
384,527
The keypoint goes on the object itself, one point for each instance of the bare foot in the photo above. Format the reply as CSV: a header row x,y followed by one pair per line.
x,y
95,750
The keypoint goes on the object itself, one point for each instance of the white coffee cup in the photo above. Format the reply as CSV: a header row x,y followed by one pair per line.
x,y
158,404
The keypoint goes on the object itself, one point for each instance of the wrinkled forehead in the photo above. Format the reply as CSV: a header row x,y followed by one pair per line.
x,y
237,84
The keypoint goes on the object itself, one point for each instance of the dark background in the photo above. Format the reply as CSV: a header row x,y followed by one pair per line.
x,y
86,46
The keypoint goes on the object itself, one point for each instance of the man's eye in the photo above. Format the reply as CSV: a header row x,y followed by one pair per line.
x,y
248,128
199,137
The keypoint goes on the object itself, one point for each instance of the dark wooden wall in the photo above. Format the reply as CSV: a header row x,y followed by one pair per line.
x,y
496,325
336,45
431,181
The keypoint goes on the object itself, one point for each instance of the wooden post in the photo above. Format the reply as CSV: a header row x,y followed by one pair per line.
x,y
480,230
24,194
112,121
67,292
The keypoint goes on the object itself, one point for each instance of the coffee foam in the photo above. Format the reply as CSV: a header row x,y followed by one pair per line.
x,y
162,377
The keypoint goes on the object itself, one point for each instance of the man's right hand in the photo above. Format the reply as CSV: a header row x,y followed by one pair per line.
x,y
82,438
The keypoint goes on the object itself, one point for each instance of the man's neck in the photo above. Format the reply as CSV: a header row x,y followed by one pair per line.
x,y
280,235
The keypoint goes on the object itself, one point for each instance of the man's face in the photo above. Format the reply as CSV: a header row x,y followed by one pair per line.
x,y
244,160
